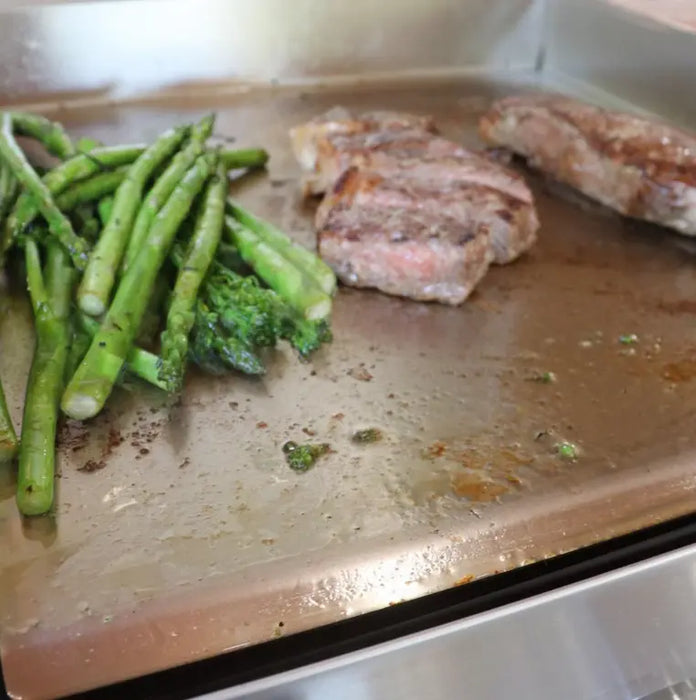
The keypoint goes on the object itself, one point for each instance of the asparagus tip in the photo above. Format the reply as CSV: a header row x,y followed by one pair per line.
x,y
92,305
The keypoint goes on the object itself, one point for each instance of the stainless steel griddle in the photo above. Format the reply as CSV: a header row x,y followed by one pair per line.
x,y
195,537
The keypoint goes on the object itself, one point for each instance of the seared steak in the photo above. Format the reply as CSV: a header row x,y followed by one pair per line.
x,y
508,222
639,167
408,212
411,253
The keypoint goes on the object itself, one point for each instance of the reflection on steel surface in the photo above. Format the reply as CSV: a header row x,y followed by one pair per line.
x,y
678,691
623,55
619,636
113,49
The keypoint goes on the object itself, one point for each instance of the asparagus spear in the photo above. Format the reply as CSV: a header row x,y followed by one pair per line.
x,y
60,178
199,256
51,303
85,165
151,323
244,158
98,279
94,379
50,134
139,362
58,224
292,284
87,143
80,340
104,208
8,437
90,189
306,261
165,185
9,189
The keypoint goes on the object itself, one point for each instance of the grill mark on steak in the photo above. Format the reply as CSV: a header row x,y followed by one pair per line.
x,y
335,153
469,203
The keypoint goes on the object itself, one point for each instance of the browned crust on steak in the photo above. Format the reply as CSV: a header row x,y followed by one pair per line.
x,y
335,153
307,139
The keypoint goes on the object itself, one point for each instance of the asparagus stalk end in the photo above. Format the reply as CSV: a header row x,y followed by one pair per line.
x,y
92,304
80,406
33,501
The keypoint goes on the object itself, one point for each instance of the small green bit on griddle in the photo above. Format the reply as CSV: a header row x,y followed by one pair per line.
x,y
545,378
628,339
367,436
300,458
567,450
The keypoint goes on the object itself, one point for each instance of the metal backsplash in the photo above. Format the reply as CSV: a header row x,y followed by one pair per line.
x,y
124,48
626,56
120,49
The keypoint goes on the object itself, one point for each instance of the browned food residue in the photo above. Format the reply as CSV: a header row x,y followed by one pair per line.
x,y
493,460
92,465
145,432
262,424
437,449
464,579
366,436
680,306
473,487
72,435
360,373
516,458
680,371
113,440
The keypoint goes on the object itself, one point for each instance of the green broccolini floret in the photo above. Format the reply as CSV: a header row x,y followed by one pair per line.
x,y
237,317
217,353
